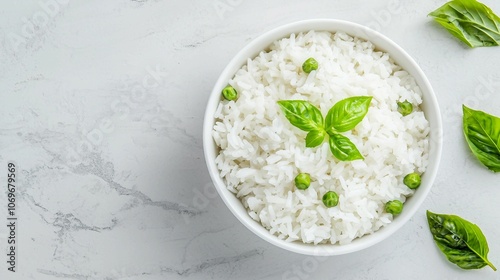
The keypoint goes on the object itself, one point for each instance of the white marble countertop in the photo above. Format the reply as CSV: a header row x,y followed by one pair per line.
x,y
102,110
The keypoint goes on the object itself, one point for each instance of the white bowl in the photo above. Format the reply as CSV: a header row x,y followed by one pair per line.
x,y
429,106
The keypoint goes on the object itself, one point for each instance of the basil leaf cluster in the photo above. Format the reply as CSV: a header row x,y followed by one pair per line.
x,y
462,242
342,117
482,132
470,21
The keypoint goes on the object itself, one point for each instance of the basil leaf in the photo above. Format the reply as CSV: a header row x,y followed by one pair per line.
x,y
347,113
343,149
461,241
470,21
314,138
343,116
302,114
482,132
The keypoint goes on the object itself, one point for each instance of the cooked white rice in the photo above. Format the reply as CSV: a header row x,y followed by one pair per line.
x,y
261,152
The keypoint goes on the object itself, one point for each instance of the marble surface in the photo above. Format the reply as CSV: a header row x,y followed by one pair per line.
x,y
102,110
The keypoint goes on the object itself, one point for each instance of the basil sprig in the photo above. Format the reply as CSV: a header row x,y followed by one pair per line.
x,y
462,242
342,117
482,132
470,21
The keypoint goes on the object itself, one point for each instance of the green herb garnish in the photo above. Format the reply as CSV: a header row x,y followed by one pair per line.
x,y
302,114
347,113
482,132
314,138
342,148
342,117
470,21
461,241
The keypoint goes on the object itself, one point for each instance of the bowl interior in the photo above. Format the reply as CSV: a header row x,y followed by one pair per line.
x,y
382,43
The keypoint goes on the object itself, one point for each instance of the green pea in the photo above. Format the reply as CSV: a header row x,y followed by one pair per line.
x,y
394,207
405,108
310,65
330,199
229,93
412,180
302,181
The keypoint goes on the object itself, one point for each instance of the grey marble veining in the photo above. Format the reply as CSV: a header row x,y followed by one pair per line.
x,y
102,111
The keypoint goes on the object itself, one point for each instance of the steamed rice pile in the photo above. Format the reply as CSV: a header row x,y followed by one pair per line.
x,y
261,152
